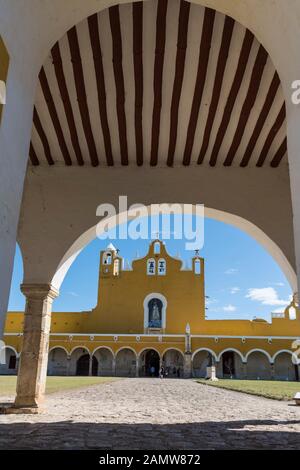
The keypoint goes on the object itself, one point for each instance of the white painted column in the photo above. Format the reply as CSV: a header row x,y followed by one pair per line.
x,y
15,133
68,365
272,366
34,356
293,146
244,369
137,367
113,367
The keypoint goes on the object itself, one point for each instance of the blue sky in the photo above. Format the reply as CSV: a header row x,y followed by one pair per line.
x,y
242,280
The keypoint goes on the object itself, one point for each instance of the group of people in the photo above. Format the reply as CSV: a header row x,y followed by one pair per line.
x,y
165,372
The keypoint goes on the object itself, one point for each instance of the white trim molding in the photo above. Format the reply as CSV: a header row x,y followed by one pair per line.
x,y
172,349
103,347
80,347
7,346
148,349
59,347
261,351
124,348
243,358
292,353
207,350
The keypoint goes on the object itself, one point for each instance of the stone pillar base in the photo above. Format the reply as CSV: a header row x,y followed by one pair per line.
x,y
211,374
32,373
15,410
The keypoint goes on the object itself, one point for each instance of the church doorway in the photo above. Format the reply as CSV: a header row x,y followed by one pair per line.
x,y
228,364
150,363
83,364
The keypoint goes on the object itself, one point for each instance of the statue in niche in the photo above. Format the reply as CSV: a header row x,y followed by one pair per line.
x,y
155,313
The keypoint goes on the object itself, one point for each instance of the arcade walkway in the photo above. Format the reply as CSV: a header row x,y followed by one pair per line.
x,y
154,414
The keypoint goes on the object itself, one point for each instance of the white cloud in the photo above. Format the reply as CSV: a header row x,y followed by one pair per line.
x,y
73,294
229,308
267,296
210,301
234,290
231,271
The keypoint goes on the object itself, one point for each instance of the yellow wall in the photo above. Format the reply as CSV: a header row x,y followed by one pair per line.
x,y
120,311
120,298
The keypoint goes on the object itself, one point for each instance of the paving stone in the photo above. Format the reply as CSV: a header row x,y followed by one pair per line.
x,y
154,414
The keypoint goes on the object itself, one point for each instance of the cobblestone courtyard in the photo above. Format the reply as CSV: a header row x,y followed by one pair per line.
x,y
154,414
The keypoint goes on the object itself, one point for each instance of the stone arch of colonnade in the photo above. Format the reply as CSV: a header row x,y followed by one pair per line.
x,y
246,226
276,48
127,362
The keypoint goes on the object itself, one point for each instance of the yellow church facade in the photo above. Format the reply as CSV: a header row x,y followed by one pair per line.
x,y
152,316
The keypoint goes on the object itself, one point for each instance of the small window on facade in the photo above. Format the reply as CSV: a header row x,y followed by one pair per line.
x,y
116,267
12,362
162,267
197,266
151,267
107,258
156,248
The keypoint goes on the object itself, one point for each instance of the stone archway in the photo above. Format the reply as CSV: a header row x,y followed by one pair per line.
x,y
258,366
284,368
149,363
201,360
11,362
126,363
83,365
58,362
239,222
173,363
230,365
78,16
105,360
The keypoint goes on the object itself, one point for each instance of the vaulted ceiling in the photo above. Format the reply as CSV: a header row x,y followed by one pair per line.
x,y
162,82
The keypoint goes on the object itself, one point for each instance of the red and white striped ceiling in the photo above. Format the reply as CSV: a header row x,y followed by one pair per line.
x,y
162,82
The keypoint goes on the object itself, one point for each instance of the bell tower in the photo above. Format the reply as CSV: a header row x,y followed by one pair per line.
x,y
110,262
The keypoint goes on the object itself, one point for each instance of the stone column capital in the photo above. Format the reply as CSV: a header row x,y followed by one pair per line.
x,y
39,291
296,299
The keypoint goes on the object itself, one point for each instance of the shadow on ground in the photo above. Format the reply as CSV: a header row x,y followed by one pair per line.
x,y
186,436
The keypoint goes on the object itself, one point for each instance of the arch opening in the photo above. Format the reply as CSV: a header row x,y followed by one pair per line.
x,y
236,221
58,361
230,365
105,359
284,367
202,359
173,363
258,366
126,363
10,367
149,363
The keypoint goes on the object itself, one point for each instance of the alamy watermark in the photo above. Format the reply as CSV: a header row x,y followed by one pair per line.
x,y
140,222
